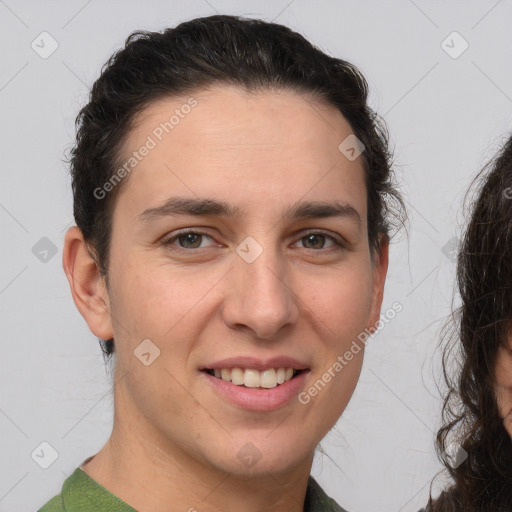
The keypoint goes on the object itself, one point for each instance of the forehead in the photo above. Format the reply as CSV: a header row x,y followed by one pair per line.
x,y
238,112
245,148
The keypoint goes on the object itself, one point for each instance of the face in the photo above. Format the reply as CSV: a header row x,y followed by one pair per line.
x,y
503,378
257,283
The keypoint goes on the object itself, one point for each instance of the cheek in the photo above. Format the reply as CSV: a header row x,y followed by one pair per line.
x,y
504,398
507,423
340,312
343,301
503,376
151,300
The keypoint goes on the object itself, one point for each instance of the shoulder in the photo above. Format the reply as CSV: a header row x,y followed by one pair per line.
x,y
81,493
58,503
318,501
54,505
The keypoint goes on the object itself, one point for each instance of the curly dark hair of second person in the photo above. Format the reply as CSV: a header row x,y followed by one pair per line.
x,y
482,324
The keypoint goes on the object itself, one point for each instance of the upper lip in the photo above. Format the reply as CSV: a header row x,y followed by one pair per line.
x,y
256,364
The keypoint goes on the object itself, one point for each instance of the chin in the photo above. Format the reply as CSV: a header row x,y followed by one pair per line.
x,y
250,461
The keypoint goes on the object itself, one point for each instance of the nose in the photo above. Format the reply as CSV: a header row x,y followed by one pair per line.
x,y
259,296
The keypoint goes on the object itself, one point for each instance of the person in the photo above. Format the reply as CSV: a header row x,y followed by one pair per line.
x,y
475,440
234,196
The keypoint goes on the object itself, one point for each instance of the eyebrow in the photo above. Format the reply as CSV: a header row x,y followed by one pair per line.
x,y
211,207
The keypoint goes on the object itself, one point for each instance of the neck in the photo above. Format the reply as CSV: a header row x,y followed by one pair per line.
x,y
152,474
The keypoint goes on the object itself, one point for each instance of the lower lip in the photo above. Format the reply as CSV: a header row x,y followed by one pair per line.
x,y
259,399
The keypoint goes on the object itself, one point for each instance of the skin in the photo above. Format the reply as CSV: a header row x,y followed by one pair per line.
x,y
503,378
175,439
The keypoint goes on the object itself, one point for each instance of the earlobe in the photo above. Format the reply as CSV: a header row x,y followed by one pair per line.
x,y
380,269
87,285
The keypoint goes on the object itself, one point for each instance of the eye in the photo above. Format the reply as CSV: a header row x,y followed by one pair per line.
x,y
187,240
190,238
316,238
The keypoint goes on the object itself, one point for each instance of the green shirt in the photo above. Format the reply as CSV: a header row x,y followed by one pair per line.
x,y
80,493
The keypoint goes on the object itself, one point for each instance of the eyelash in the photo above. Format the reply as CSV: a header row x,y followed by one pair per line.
x,y
167,242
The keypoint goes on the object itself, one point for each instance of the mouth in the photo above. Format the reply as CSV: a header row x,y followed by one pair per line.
x,y
252,378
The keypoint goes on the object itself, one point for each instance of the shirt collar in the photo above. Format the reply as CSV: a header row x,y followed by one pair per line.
x,y
81,493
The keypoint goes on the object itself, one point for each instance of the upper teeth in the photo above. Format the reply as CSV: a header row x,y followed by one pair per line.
x,y
253,378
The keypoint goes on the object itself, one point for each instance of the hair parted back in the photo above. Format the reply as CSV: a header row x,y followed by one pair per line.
x,y
250,54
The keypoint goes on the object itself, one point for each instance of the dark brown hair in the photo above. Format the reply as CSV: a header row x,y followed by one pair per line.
x,y
251,54
483,482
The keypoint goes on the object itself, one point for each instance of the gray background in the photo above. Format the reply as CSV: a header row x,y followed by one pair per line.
x,y
445,115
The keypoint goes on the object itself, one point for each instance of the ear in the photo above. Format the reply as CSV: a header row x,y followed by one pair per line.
x,y
88,287
380,269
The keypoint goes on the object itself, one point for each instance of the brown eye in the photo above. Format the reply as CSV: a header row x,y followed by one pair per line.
x,y
190,238
187,240
316,241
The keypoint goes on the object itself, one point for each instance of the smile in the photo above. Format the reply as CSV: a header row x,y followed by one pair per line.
x,y
257,398
252,378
